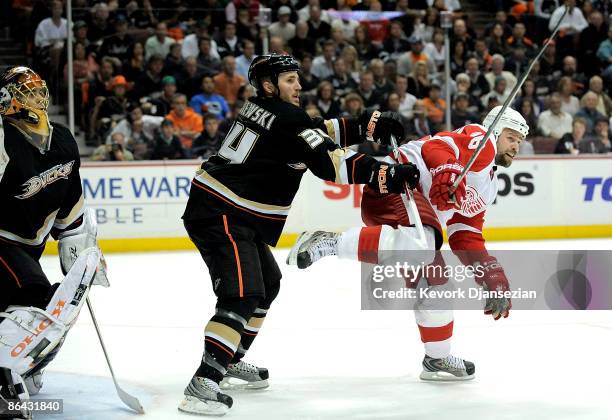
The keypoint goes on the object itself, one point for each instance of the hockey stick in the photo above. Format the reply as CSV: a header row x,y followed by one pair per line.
x,y
408,200
130,401
505,105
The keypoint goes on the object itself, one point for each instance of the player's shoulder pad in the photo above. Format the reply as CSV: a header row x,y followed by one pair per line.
x,y
467,140
63,138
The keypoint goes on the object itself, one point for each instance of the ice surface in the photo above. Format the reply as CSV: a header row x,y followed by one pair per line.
x,y
327,358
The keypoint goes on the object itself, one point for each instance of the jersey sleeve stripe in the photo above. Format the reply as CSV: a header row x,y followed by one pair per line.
x,y
456,227
76,212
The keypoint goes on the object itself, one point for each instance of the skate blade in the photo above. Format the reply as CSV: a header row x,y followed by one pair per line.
x,y
235,384
194,405
443,377
295,249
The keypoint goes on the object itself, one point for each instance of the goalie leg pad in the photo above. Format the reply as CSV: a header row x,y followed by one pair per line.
x,y
12,388
28,334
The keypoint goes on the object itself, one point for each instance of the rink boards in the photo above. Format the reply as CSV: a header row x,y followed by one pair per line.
x,y
139,205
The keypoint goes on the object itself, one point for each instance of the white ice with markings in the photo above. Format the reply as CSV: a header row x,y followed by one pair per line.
x,y
327,358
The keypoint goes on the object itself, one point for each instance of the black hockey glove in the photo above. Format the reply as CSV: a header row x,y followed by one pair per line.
x,y
390,178
379,126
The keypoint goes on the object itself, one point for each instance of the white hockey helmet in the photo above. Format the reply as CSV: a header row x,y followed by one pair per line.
x,y
510,119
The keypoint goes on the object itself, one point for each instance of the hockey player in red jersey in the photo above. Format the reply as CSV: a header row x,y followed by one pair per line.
x,y
440,159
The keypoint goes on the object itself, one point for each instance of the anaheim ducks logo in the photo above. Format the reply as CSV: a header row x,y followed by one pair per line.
x,y
35,184
473,202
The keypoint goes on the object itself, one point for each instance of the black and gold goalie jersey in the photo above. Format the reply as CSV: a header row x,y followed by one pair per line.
x,y
39,192
257,171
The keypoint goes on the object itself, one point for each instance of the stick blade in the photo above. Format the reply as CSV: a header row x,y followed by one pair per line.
x,y
130,401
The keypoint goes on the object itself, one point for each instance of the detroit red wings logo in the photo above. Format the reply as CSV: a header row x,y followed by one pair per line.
x,y
472,203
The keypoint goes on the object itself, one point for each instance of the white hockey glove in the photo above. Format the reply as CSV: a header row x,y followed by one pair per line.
x,y
73,242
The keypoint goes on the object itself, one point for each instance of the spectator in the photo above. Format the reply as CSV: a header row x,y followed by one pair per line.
x,y
590,39
208,101
137,127
407,100
308,81
341,80
190,78
52,31
604,103
158,44
550,63
418,80
353,106
569,103
420,122
435,50
323,65
457,61
366,89
347,25
589,111
554,122
234,7
478,83
573,23
482,54
464,85
381,83
460,114
304,12
518,38
191,43
115,106
518,61
407,61
99,28
435,106
246,28
229,44
150,81
174,60
115,151
283,28
328,106
496,42
141,18
162,105
79,29
363,44
207,62
228,82
604,53
118,44
209,141
166,144
497,69
526,108
396,42
301,44
318,29
351,59
338,37
569,143
134,66
277,45
243,61
569,69
600,142
499,92
187,123
460,33
528,92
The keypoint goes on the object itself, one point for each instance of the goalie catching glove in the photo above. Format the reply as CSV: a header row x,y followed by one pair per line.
x,y
390,178
380,126
493,278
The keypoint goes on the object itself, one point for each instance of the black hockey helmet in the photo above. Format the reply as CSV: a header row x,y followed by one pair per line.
x,y
270,66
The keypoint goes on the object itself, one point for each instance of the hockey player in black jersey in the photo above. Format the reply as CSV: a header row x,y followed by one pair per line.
x,y
238,204
40,192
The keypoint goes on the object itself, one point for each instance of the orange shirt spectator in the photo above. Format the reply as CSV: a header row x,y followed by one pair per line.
x,y
228,82
187,123
435,105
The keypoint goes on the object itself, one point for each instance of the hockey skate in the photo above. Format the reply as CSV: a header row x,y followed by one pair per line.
x,y
203,396
243,375
449,368
311,247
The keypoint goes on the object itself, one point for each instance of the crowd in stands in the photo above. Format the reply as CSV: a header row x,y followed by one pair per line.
x,y
164,79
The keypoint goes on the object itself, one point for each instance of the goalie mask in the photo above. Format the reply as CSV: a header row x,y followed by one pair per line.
x,y
510,119
24,99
